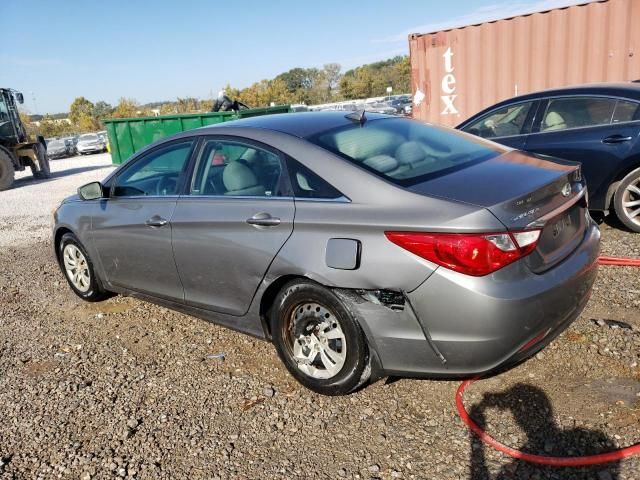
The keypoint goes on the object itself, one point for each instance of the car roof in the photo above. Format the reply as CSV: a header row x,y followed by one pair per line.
x,y
629,90
299,124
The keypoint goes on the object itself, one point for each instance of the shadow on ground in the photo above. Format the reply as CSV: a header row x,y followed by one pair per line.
x,y
533,413
23,182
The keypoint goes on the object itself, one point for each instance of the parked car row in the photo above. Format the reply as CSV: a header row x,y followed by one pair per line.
x,y
77,144
390,105
597,125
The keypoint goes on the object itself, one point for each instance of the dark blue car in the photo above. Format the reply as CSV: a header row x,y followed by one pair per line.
x,y
597,125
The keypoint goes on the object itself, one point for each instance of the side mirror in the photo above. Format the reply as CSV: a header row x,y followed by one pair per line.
x,y
20,98
91,191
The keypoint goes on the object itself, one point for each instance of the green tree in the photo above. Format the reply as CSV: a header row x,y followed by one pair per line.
x,y
81,115
332,77
101,110
126,108
373,79
187,105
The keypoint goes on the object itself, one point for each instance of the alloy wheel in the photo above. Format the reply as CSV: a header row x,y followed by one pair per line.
x,y
76,267
631,201
316,341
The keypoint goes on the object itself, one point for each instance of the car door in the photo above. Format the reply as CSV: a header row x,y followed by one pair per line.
x,y
229,227
508,124
131,230
597,131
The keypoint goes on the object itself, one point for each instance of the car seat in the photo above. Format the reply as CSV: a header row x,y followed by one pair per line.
x,y
238,179
554,121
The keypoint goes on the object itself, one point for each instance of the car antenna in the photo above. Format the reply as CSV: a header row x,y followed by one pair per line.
x,y
357,116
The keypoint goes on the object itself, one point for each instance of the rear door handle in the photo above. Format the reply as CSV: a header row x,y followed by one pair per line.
x,y
156,221
263,219
616,139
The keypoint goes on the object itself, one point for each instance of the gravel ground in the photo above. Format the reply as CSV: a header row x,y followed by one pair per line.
x,y
26,207
128,389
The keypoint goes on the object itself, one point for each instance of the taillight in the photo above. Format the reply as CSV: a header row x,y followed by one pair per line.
x,y
474,254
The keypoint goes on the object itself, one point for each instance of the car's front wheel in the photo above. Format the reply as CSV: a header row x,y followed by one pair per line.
x,y
318,340
627,201
78,269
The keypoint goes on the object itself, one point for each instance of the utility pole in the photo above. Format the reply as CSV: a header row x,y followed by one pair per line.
x,y
35,105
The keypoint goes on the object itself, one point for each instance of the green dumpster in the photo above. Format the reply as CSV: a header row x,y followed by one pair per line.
x,y
128,135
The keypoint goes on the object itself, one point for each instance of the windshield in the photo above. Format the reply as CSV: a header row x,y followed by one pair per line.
x,y
406,152
56,143
89,137
6,129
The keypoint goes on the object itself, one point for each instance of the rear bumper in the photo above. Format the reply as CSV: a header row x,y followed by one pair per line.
x,y
474,325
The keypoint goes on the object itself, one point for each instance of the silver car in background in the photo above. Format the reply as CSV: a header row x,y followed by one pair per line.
x,y
361,244
90,143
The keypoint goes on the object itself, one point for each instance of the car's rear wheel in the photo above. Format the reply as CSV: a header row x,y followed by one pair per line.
x,y
78,269
318,340
627,201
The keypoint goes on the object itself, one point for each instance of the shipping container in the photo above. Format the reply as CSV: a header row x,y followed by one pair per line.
x,y
456,73
128,135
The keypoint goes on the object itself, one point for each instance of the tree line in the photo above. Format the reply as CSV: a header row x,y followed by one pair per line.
x,y
298,85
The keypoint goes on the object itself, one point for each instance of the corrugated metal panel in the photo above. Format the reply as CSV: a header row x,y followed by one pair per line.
x,y
463,70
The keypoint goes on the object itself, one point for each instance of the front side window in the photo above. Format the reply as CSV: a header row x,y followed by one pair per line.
x,y
235,168
156,173
577,112
505,122
404,151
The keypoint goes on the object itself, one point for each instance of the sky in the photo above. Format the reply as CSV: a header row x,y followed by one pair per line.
x,y
161,50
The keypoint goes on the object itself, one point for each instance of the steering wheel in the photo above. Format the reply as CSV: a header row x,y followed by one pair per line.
x,y
166,186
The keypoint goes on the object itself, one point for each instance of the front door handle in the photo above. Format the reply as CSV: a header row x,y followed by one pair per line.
x,y
616,139
263,219
156,221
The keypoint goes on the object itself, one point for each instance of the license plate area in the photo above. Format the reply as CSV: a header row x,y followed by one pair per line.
x,y
559,237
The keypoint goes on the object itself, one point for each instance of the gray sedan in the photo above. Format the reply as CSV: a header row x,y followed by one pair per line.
x,y
360,245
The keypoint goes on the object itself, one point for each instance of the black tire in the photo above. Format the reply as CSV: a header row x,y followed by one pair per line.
x,y
43,169
7,171
94,292
290,302
623,195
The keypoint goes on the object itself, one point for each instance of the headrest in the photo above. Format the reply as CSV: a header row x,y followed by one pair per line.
x,y
553,119
382,163
237,176
366,142
409,153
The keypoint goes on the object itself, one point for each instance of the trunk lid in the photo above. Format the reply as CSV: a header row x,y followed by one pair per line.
x,y
523,191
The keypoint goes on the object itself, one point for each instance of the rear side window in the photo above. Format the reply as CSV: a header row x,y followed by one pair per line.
x,y
626,111
576,112
505,122
237,169
307,184
406,152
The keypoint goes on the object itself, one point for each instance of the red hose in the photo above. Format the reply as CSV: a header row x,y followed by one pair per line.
x,y
582,461
619,261
539,459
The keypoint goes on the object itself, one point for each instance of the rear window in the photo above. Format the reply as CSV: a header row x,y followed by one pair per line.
x,y
406,152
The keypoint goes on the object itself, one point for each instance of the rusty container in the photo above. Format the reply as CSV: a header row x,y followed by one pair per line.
x,y
456,73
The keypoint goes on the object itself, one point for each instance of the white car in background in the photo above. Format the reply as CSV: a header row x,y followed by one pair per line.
x,y
90,143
